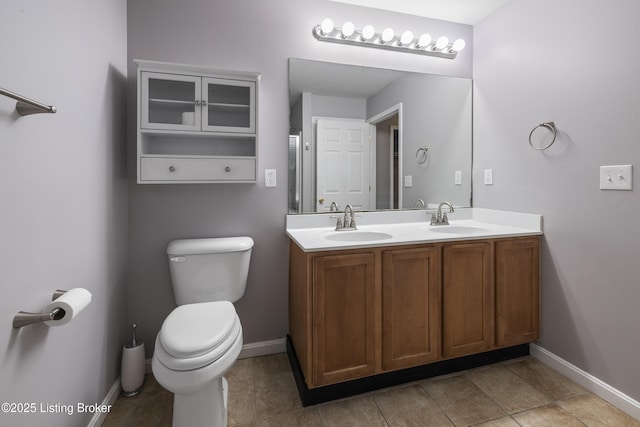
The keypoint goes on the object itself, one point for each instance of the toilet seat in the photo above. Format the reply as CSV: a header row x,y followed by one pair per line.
x,y
195,335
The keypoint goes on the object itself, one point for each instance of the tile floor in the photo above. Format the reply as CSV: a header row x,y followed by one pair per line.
x,y
523,392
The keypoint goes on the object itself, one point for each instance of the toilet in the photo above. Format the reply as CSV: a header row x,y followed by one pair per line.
x,y
201,339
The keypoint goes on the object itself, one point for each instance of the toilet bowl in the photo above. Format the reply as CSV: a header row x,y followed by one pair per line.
x,y
201,339
190,360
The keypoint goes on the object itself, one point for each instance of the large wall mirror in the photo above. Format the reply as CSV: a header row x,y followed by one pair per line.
x,y
376,138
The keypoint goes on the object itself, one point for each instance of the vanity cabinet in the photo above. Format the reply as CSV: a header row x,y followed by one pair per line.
x,y
491,295
196,124
343,317
517,291
410,307
467,298
359,312
356,313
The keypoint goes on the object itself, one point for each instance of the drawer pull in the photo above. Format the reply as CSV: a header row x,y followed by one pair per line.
x,y
227,169
172,168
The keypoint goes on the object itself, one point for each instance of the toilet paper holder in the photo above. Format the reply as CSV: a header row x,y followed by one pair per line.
x,y
24,318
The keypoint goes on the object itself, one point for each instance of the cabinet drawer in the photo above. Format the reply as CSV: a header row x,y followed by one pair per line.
x,y
194,169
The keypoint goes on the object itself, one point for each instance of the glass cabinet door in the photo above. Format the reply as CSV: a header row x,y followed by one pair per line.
x,y
229,105
170,101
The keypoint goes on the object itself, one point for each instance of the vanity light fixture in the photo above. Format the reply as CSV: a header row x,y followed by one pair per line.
x,y
387,35
424,41
326,27
347,30
458,45
387,39
441,43
406,38
368,32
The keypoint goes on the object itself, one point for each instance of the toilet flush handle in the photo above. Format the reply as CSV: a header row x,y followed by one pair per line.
x,y
178,259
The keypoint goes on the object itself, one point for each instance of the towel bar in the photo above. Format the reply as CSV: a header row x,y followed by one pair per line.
x,y
26,106
551,126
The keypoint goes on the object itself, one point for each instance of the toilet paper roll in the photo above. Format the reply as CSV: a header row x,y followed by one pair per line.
x,y
72,302
188,118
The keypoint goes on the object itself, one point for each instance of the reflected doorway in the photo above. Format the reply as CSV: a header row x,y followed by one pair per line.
x,y
387,131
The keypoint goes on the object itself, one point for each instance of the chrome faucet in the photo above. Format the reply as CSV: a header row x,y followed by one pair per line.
x,y
334,207
349,221
441,218
419,204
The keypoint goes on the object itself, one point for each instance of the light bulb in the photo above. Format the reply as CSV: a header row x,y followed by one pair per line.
x,y
458,45
347,30
326,26
406,38
387,35
442,42
368,32
424,40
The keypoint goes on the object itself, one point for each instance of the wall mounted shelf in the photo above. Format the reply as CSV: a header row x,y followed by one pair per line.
x,y
196,124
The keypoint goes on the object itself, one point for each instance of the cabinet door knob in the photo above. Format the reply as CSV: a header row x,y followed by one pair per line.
x,y
204,102
172,168
227,169
197,102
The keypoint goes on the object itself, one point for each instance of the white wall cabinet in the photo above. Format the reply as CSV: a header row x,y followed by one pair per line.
x,y
196,124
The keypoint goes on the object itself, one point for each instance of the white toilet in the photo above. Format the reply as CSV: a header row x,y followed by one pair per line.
x,y
201,339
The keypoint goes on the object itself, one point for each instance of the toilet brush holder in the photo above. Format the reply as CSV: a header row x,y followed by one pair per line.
x,y
133,367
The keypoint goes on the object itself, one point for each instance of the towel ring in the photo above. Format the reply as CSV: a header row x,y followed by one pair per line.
x,y
549,125
421,155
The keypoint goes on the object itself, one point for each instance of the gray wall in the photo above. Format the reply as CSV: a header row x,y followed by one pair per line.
x,y
63,192
255,36
577,65
436,113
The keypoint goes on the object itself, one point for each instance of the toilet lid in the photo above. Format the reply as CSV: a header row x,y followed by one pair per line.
x,y
192,330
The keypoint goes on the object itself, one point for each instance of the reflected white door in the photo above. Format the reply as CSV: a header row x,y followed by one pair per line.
x,y
342,164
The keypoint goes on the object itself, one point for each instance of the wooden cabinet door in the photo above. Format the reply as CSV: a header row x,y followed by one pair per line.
x,y
467,298
410,307
517,291
343,317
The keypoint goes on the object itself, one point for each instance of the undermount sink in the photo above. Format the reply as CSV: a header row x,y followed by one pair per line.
x,y
358,236
458,229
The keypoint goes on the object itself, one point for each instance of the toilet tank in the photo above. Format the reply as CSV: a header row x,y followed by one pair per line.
x,y
204,270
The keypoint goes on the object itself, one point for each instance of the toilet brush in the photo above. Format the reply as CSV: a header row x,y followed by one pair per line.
x,y
132,376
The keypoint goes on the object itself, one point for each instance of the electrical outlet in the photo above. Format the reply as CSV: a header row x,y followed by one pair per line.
x,y
269,177
458,178
616,177
408,181
488,176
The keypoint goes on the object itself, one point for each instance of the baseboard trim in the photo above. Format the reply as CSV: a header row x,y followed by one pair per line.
x,y
588,381
111,397
263,348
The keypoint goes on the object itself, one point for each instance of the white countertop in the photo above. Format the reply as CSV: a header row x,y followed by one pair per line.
x,y
316,232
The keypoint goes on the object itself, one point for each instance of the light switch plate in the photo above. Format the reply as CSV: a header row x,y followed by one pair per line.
x,y
269,177
488,176
458,178
408,181
616,177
